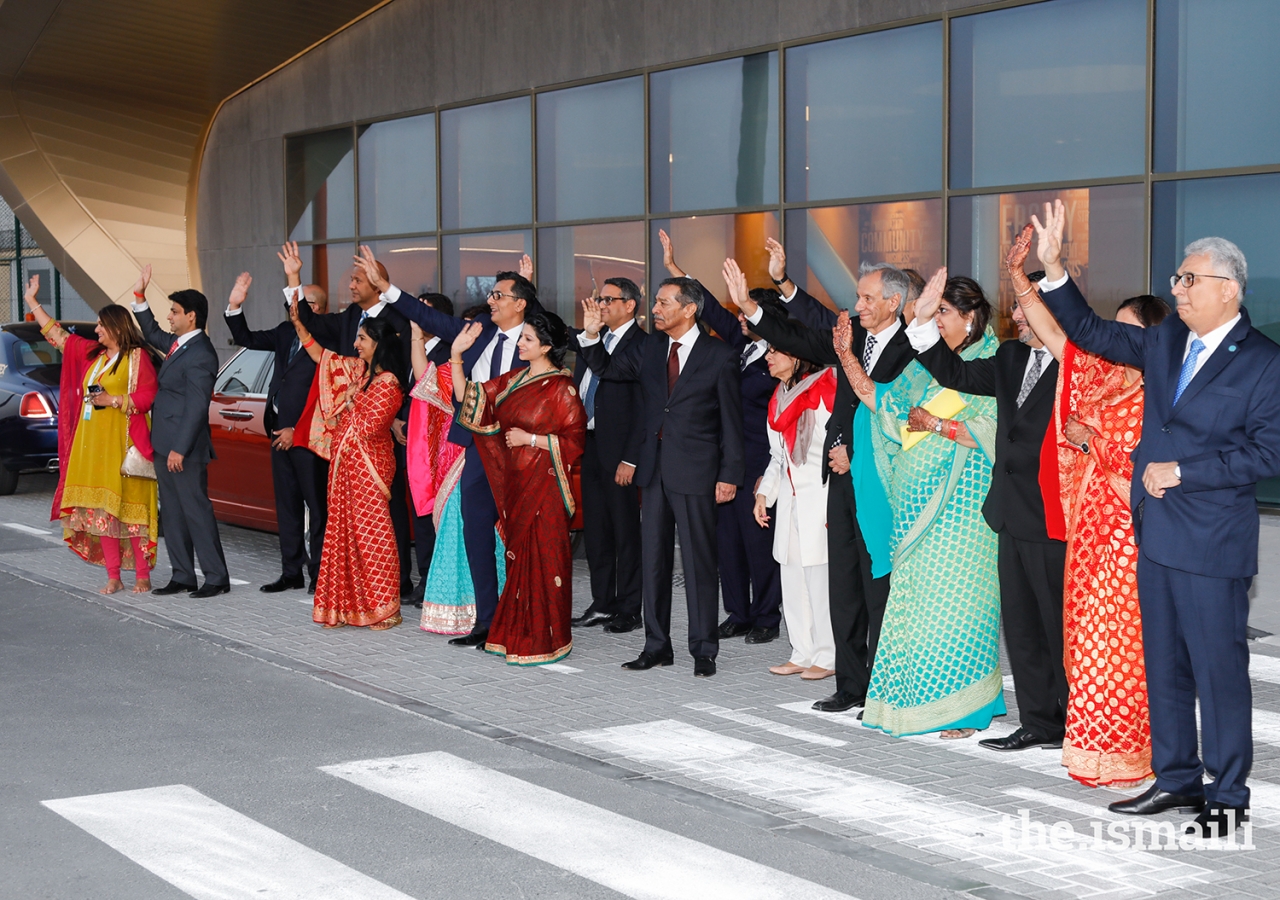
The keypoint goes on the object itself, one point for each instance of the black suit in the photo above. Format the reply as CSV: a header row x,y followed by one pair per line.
x,y
692,440
298,476
180,423
611,512
1031,562
857,599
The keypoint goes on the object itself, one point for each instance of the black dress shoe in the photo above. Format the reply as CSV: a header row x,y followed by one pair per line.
x,y
703,667
589,618
475,638
1020,740
311,586
173,587
623,624
840,701
283,584
1217,820
729,629
761,635
211,590
1154,800
648,661
406,589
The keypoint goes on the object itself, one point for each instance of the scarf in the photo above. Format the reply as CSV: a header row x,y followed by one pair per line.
x,y
791,411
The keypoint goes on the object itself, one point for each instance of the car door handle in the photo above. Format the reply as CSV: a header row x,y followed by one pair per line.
x,y
235,414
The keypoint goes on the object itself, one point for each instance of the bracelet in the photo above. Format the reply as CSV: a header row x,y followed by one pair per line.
x,y
140,296
310,342
937,427
456,362
533,441
953,426
1027,291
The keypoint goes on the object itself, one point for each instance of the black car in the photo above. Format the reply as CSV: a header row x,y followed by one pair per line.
x,y
29,371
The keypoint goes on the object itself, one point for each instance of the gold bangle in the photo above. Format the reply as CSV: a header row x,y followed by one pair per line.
x,y
1027,291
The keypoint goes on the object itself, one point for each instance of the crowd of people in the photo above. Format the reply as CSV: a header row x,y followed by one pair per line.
x,y
895,484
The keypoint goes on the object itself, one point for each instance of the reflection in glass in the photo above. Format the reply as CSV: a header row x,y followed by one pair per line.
x,y
713,135
591,151
320,186
864,115
573,263
472,260
486,161
702,243
1102,245
398,176
826,246
411,263
329,265
1216,108
1048,92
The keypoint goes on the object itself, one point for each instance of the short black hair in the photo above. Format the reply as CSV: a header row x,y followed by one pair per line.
x,y
689,291
192,301
630,290
770,299
551,332
438,302
388,355
471,312
523,288
1150,309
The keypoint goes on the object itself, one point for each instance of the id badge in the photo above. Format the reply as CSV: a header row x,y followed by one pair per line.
x,y
88,410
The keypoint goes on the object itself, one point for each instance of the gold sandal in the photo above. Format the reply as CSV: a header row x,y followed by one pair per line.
x,y
387,623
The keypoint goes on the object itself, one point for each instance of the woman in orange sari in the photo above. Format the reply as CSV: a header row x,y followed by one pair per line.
x,y
1085,475
358,397
530,429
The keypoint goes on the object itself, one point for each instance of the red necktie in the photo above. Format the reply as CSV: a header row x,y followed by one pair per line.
x,y
173,349
673,366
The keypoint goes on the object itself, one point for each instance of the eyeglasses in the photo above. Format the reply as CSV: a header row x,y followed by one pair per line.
x,y
1189,278
496,294
602,300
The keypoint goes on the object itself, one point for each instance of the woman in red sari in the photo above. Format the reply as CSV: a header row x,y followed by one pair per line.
x,y
358,397
1085,476
530,429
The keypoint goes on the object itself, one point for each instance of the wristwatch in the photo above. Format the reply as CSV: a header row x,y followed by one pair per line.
x,y
1177,472
784,280
937,429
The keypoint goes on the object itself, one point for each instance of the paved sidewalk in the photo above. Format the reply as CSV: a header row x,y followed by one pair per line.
x,y
746,737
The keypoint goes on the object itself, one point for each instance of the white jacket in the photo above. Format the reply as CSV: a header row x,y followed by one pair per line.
x,y
799,491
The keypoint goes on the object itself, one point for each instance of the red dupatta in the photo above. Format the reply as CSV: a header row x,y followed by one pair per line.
x,y
822,391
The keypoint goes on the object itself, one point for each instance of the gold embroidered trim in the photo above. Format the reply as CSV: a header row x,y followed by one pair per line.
x,y
441,618
1106,767
562,473
540,660
474,405
936,715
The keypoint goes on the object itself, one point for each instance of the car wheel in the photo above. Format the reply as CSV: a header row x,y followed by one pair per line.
x,y
8,481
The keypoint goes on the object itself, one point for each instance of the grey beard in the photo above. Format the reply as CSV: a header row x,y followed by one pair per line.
x,y
1025,336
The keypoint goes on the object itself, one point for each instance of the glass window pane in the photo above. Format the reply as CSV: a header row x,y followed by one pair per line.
x,y
702,243
1101,246
486,165
826,246
329,265
575,261
851,131
591,151
411,263
472,260
320,186
1216,84
398,176
713,135
1048,92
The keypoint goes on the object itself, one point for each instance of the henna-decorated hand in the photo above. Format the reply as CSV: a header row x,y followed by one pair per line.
x,y
1013,261
842,336
920,419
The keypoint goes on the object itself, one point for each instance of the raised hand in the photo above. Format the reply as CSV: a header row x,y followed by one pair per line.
x,y
466,337
669,255
1013,260
33,288
526,267
739,293
1049,248
842,335
240,290
777,259
592,321
292,260
931,297
144,279
859,380
367,264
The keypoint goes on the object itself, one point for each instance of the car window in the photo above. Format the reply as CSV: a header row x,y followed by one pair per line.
x,y
33,354
241,375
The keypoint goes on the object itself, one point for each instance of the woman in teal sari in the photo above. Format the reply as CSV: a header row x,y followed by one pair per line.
x,y
937,666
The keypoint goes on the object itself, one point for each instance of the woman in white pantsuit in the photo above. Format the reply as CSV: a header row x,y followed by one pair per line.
x,y
798,414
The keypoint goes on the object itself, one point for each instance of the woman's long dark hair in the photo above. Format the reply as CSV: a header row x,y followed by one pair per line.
x,y
388,355
966,296
117,320
551,332
1149,309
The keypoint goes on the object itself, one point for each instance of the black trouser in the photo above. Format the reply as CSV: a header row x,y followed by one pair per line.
x,y
190,529
1031,606
611,531
399,503
300,479
750,581
424,544
857,599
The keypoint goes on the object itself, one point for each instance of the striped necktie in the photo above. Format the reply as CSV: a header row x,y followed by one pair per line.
x,y
1188,369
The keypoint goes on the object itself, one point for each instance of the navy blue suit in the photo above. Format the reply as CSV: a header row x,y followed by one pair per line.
x,y
1199,542
746,549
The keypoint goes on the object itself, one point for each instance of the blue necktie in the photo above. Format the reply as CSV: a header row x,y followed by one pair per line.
x,y
589,401
495,361
294,346
1188,369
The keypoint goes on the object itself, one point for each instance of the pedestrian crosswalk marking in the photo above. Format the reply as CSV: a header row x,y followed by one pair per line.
x,y
560,667
38,532
620,853
212,852
745,718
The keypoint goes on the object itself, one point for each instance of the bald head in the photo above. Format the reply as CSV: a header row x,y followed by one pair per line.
x,y
317,297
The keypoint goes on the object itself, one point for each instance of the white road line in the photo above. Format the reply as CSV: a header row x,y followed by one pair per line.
x,y
1264,668
630,857
953,828
560,667
235,581
212,852
38,532
743,718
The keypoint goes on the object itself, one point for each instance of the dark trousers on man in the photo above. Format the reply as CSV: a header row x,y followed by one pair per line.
x,y
1194,631
857,600
695,516
399,508
190,529
300,479
1031,608
750,583
424,545
611,531
479,516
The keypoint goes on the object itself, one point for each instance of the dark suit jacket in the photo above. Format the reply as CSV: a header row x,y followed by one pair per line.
x,y
180,413
700,423
290,380
619,430
337,332
1224,433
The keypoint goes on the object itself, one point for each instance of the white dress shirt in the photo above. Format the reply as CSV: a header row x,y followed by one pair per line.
x,y
754,351
924,335
480,371
609,347
182,338
882,340
686,341
1211,342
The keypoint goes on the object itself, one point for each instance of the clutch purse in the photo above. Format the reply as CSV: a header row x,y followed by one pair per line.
x,y
136,465
945,404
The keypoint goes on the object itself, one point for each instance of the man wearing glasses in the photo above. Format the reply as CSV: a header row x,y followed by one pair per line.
x,y
1210,432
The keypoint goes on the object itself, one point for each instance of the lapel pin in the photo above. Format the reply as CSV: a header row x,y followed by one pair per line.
x,y
1231,349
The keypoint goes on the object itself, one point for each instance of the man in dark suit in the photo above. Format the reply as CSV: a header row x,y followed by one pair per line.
x,y
180,436
610,499
1210,432
298,476
691,459
493,354
857,598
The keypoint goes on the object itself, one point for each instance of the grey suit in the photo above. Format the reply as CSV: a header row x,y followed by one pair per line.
x,y
180,422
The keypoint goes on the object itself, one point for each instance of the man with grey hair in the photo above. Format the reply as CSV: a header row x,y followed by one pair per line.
x,y
1210,432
